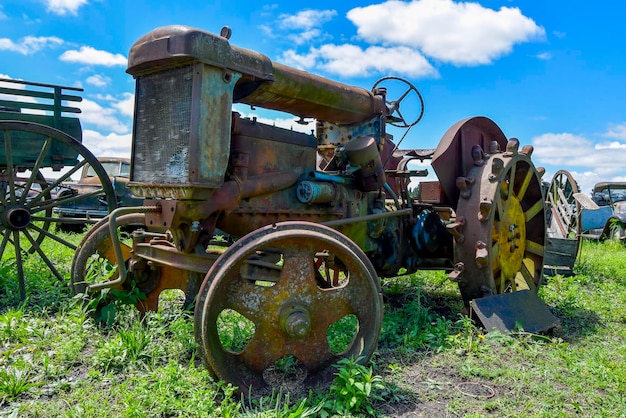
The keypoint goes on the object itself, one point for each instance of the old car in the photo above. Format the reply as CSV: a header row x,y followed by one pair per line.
x,y
78,213
607,219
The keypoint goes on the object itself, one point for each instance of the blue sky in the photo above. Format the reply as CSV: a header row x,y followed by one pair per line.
x,y
551,73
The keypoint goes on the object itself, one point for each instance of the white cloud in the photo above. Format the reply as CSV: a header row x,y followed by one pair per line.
x,y
307,36
96,115
92,56
544,56
610,145
587,161
352,61
30,44
306,19
461,33
111,145
126,106
616,130
64,7
98,80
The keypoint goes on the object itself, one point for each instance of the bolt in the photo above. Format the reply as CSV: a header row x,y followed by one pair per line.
x,y
298,324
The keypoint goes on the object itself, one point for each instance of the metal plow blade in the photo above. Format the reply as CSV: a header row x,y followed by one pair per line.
x,y
511,311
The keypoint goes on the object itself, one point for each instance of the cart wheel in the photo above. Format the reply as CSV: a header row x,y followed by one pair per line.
x,y
262,323
563,208
28,200
500,246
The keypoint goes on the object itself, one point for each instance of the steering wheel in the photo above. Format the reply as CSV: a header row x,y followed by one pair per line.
x,y
395,117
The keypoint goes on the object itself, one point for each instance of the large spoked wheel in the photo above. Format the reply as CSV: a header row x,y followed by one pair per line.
x,y
502,245
563,208
28,200
285,303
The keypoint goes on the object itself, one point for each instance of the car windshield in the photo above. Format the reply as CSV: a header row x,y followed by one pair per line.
x,y
609,195
113,169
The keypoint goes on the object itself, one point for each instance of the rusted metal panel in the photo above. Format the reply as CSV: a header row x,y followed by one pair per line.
x,y
455,154
522,310
431,192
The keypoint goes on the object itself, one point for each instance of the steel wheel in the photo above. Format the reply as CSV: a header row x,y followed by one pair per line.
x,y
501,245
28,200
289,306
94,261
563,208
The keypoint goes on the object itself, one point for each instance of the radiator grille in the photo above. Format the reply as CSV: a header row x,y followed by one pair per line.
x,y
162,127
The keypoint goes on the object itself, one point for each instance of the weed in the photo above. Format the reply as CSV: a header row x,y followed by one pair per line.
x,y
353,389
15,381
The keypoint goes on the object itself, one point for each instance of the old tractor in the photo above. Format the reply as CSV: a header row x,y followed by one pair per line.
x,y
308,222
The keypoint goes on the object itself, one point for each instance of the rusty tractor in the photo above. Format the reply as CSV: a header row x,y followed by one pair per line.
x,y
309,222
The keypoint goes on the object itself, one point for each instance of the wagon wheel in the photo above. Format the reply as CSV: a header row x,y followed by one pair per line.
x,y
27,204
500,246
563,208
291,316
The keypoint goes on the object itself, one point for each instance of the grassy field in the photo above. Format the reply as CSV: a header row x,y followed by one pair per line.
x,y
431,361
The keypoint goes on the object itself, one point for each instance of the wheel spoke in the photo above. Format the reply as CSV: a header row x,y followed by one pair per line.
x,y
55,203
528,276
535,209
35,169
5,239
51,235
18,263
261,351
535,248
10,169
524,186
57,182
43,256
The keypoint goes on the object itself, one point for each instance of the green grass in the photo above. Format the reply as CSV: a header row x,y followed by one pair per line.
x,y
55,361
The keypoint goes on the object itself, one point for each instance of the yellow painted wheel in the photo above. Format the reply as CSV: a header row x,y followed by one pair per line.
x,y
500,247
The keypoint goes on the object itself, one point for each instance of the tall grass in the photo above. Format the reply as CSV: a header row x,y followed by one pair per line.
x,y
55,361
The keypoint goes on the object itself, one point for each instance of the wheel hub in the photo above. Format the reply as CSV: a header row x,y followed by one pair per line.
x,y
512,238
16,218
295,321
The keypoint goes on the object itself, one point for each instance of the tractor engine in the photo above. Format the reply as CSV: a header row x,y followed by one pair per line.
x,y
212,169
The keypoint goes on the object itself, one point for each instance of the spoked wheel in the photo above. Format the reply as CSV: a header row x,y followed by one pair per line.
x,y
501,248
291,320
28,199
563,208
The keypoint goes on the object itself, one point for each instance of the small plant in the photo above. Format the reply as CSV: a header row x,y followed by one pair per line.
x,y
108,302
353,389
278,405
14,382
11,326
130,346
468,337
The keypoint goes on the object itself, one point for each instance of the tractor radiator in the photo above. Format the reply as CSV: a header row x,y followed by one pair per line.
x,y
162,131
182,131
